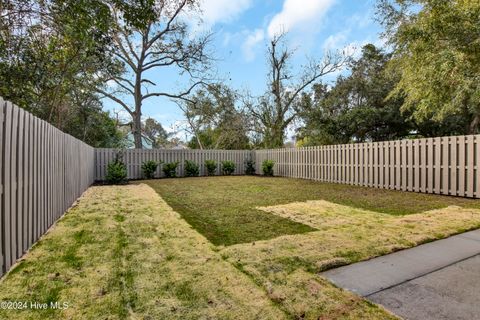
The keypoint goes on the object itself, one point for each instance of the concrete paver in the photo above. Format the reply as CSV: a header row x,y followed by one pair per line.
x,y
450,293
371,276
437,280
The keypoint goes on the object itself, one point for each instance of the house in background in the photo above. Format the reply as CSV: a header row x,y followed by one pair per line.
x,y
129,141
147,143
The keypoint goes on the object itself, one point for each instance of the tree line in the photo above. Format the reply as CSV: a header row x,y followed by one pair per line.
x,y
61,59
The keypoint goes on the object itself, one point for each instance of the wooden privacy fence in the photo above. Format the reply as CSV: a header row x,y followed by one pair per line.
x,y
133,159
447,165
42,172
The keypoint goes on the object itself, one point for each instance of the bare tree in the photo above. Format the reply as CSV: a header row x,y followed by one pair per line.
x,y
151,38
275,111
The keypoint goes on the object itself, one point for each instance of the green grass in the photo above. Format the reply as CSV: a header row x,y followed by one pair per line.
x,y
288,267
213,207
224,210
122,253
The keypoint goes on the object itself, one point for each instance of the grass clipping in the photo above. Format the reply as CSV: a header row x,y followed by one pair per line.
x,y
288,267
122,253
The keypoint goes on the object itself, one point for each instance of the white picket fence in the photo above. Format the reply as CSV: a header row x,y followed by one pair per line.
x,y
446,165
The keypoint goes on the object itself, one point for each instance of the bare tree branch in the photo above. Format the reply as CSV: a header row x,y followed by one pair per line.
x,y
115,99
119,82
274,110
173,17
183,95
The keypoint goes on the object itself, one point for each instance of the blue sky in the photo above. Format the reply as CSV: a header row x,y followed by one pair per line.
x,y
242,29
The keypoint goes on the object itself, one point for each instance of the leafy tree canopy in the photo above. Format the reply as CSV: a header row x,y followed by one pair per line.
x,y
50,53
354,109
437,54
153,130
215,120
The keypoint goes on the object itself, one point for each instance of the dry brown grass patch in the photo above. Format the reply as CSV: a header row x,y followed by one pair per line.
x,y
288,265
122,253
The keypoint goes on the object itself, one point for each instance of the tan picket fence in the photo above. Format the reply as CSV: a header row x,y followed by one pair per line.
x,y
446,165
133,159
42,172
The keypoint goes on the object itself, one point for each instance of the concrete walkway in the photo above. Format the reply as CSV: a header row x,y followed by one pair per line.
x,y
437,280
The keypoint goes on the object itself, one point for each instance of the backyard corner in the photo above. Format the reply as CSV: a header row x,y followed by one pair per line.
x,y
222,248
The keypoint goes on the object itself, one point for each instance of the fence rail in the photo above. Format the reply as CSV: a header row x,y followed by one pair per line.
x,y
133,158
447,165
42,172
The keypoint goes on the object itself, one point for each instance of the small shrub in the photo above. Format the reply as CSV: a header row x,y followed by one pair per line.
x,y
148,168
250,167
228,167
211,167
170,169
267,167
191,169
116,173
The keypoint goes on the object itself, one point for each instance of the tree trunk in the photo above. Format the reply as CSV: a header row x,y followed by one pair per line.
x,y
474,125
200,145
137,129
137,116
274,138
197,137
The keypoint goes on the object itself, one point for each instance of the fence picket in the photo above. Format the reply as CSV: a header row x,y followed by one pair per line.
x,y
470,156
461,166
36,179
448,165
453,166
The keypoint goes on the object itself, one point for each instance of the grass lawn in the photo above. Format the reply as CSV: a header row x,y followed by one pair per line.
x,y
350,224
122,253
224,209
246,248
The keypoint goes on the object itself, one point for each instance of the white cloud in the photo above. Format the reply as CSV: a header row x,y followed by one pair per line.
x,y
111,84
227,38
336,41
354,49
215,11
298,13
252,40
362,20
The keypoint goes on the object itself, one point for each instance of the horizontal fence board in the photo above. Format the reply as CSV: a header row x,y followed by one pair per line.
x,y
446,165
43,171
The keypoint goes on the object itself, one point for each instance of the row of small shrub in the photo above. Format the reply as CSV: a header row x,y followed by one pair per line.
x,y
149,167
117,171
192,169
